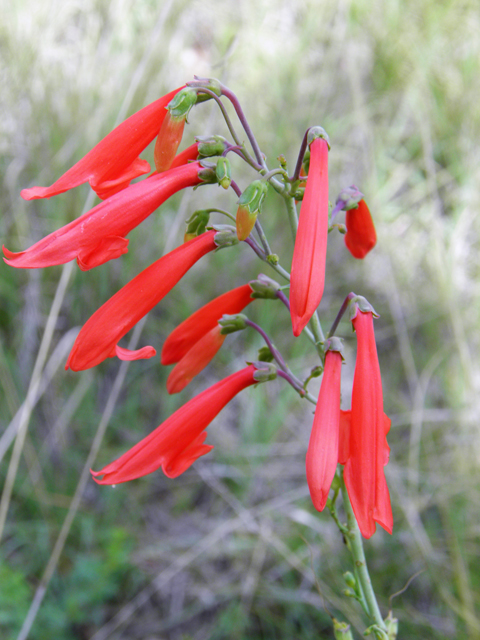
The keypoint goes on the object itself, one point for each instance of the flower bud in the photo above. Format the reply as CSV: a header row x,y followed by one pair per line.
x,y
264,287
349,198
196,224
350,580
211,145
250,203
232,323
223,172
265,371
265,355
392,626
341,630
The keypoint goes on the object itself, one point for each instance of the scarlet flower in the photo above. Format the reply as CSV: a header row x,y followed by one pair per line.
x,y
112,163
99,336
191,330
368,449
323,448
195,342
310,251
185,156
195,360
179,441
99,235
361,236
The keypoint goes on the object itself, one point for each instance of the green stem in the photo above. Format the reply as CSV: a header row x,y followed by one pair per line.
x,y
292,215
355,545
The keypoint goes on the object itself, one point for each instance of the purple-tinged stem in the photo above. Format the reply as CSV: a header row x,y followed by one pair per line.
x,y
236,188
241,116
281,296
343,308
301,154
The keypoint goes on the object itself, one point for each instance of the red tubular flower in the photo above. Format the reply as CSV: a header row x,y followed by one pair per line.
x,y
178,442
99,235
185,156
361,236
187,334
309,255
323,448
195,360
368,451
99,336
112,163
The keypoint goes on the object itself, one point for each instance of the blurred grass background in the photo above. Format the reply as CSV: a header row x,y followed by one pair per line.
x,y
233,548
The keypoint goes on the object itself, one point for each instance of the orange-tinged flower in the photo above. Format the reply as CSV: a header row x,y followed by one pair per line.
x,y
185,156
113,162
169,138
191,330
99,235
195,360
309,255
179,441
99,336
368,449
361,236
323,448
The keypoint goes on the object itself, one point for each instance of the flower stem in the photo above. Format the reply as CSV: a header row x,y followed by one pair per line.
x,y
292,215
355,545
343,308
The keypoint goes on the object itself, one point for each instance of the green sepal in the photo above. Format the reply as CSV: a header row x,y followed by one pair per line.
x,y
180,105
341,630
265,355
196,224
317,132
359,303
264,287
226,235
335,344
253,196
209,146
232,323
265,371
350,197
223,171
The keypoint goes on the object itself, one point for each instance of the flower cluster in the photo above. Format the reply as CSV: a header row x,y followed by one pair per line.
x,y
357,438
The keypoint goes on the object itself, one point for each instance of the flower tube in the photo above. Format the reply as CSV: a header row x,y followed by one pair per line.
x,y
191,330
99,336
310,251
99,235
368,449
113,162
361,236
323,448
179,441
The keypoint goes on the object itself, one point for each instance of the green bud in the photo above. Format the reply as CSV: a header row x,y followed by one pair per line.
x,y
264,287
232,323
265,371
350,580
249,205
392,626
265,355
299,193
350,593
196,224
180,105
341,630
210,145
273,259
317,132
224,172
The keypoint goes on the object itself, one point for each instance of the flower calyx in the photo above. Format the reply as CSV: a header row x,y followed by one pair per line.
x,y
226,235
359,303
181,104
348,198
223,172
196,224
335,344
341,630
265,371
264,287
317,132
212,84
232,323
265,355
207,173
249,206
211,145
